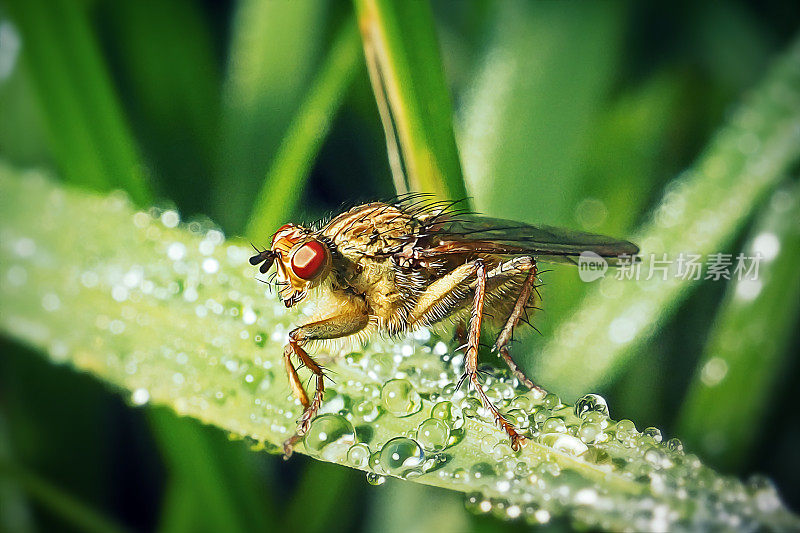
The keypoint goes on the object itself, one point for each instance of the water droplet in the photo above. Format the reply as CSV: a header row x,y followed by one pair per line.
x,y
539,414
375,479
482,471
433,434
358,455
590,432
714,371
329,437
399,398
448,413
653,433
766,495
657,457
366,411
522,402
519,418
675,446
542,516
626,433
24,247
587,496
471,407
170,218
210,265
768,245
381,367
402,457
260,339
257,378
176,251
448,390
513,512
140,396
554,425
596,417
551,401
501,451
500,392
591,403
565,443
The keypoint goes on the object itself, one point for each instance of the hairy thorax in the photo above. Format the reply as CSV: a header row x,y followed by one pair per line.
x,y
368,240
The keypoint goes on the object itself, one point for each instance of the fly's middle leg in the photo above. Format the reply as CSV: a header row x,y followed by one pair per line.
x,y
471,358
451,293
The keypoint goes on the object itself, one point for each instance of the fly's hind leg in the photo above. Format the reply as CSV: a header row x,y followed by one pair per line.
x,y
471,359
504,338
334,327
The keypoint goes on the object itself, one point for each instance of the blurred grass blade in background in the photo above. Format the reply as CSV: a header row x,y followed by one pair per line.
x,y
434,510
179,301
164,58
17,514
179,505
59,502
282,189
192,461
87,131
525,120
728,402
405,67
744,161
274,49
324,485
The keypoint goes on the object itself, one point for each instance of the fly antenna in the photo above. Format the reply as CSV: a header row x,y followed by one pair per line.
x,y
265,258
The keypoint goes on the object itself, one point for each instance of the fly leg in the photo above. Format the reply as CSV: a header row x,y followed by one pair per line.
x,y
329,328
504,338
447,295
471,358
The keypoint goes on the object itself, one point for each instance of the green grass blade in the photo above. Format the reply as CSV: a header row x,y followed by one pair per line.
x,y
620,166
60,503
217,475
274,47
324,485
700,214
746,346
16,515
88,135
282,188
405,67
179,508
190,455
166,61
526,120
433,510
175,318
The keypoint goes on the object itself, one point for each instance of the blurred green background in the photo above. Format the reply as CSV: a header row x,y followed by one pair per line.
x,y
565,113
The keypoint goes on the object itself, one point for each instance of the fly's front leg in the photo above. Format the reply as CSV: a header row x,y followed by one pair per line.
x,y
504,338
471,358
334,327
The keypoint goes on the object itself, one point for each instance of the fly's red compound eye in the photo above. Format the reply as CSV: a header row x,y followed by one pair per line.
x,y
308,260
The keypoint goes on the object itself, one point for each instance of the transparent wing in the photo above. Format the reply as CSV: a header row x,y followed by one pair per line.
x,y
464,233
